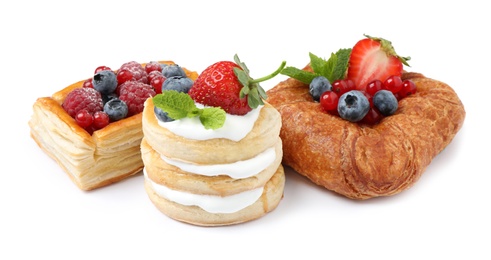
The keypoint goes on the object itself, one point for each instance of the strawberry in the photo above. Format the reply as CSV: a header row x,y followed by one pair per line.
x,y
227,84
374,58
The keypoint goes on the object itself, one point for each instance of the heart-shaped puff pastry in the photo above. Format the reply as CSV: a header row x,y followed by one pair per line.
x,y
365,161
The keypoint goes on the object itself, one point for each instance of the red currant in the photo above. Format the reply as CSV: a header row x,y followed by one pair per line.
x,y
84,118
408,88
101,120
124,75
329,101
101,68
372,117
153,66
88,83
393,84
342,86
157,83
374,86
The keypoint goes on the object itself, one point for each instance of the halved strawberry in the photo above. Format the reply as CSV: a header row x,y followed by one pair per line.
x,y
374,58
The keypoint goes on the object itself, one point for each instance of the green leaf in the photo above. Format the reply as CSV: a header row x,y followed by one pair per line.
x,y
298,74
321,66
212,117
241,64
341,66
177,104
242,76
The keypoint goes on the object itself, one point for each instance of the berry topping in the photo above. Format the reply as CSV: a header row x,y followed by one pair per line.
x,y
329,101
101,68
162,115
82,98
105,81
393,83
385,102
135,69
353,106
134,94
319,85
178,83
173,70
228,85
88,83
408,88
101,120
153,66
374,58
84,118
342,86
116,109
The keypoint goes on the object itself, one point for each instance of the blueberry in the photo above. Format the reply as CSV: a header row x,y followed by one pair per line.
x,y
318,86
162,115
353,106
177,83
385,102
107,97
116,109
173,70
105,81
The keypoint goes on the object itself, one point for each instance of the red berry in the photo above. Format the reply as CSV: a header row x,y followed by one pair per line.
x,y
157,83
408,88
372,117
101,120
393,84
134,94
329,101
153,66
123,76
153,74
101,68
88,83
83,98
342,86
137,71
84,118
374,86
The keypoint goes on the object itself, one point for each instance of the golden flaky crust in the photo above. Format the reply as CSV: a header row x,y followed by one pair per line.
x,y
362,161
269,200
91,161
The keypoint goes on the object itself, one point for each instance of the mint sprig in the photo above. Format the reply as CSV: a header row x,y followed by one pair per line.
x,y
180,105
333,69
250,87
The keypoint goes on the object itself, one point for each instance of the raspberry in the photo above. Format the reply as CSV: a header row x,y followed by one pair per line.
x,y
134,94
136,69
83,98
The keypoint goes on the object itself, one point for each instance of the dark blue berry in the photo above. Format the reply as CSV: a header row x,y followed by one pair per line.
x,y
353,106
161,115
318,86
107,97
173,70
178,83
105,81
116,109
385,102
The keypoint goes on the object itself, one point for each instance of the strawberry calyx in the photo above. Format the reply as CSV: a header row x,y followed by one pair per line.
x,y
250,87
387,47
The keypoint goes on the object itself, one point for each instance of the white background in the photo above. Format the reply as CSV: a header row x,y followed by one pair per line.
x,y
47,45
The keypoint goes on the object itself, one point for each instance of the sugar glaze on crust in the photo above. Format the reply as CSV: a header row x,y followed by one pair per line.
x,y
362,161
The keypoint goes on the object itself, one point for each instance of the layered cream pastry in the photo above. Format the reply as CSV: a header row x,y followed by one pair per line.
x,y
207,177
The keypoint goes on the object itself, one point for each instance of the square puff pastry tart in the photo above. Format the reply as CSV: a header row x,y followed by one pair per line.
x,y
92,161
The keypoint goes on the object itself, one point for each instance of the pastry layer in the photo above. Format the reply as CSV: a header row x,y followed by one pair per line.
x,y
363,161
213,151
173,177
269,200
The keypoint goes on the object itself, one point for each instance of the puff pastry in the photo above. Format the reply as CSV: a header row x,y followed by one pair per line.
x,y
160,145
91,161
363,161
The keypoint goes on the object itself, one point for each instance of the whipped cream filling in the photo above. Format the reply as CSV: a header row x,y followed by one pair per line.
x,y
209,203
236,170
235,127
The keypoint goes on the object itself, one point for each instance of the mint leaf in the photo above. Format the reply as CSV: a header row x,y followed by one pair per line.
x,y
321,66
179,105
212,117
341,66
298,74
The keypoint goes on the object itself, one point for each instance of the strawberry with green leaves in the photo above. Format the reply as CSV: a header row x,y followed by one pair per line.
x,y
227,85
374,58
